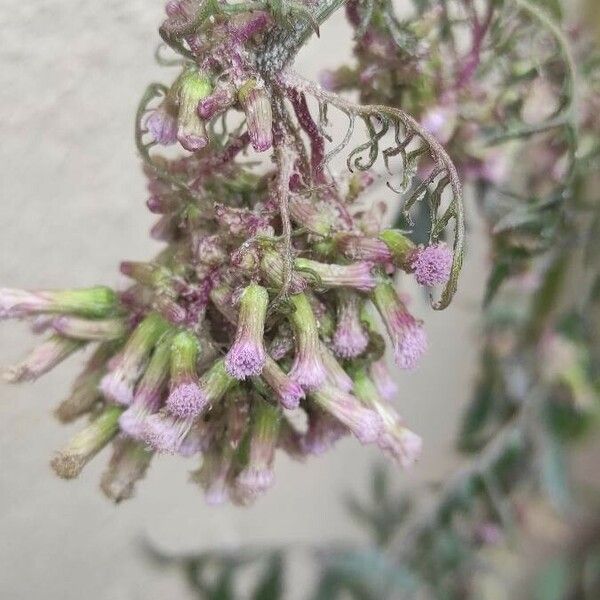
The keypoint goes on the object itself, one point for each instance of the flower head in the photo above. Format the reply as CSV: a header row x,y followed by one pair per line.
x,y
119,383
149,392
288,392
432,264
257,105
407,334
350,338
88,302
166,433
307,368
128,464
246,357
68,462
395,438
364,423
191,89
257,476
190,401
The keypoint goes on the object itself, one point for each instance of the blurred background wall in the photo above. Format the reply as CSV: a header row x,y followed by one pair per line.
x,y
71,207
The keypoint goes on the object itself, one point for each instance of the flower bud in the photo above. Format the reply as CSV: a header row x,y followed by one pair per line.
x,y
185,389
193,86
42,359
317,217
257,477
357,276
218,102
396,439
211,387
93,302
165,432
288,392
431,265
162,124
365,424
350,338
307,369
89,329
68,462
406,333
127,367
259,118
149,392
128,465
246,357
85,392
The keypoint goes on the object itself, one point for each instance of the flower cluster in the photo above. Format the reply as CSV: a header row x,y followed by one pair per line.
x,y
273,296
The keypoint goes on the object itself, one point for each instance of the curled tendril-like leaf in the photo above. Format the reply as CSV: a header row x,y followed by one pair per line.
x,y
443,175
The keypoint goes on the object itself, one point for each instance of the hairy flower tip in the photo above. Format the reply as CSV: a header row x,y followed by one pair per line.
x,y
350,338
162,125
186,400
128,465
288,391
406,333
402,444
253,481
307,368
382,379
165,433
68,462
257,475
247,355
365,424
245,359
322,433
308,371
395,439
410,346
432,265
259,118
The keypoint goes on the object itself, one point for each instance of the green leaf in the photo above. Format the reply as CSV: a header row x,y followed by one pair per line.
x,y
270,586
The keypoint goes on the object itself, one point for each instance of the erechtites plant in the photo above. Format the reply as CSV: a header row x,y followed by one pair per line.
x,y
264,299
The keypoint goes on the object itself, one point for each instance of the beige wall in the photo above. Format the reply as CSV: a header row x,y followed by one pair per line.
x,y
72,205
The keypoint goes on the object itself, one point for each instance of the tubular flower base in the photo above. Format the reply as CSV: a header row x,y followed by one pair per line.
x,y
260,302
